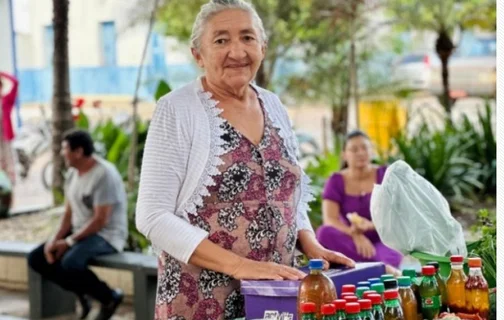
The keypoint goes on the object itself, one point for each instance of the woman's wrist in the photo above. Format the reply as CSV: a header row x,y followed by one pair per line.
x,y
308,243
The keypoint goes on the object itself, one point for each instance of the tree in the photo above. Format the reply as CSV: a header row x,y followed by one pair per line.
x,y
287,24
443,18
61,105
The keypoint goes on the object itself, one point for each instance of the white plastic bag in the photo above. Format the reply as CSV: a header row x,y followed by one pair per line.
x,y
411,215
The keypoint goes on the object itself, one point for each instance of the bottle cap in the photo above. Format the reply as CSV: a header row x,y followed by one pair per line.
x,y
308,307
340,304
316,264
328,309
428,270
457,259
351,299
367,293
404,281
373,281
409,273
365,304
390,284
363,284
348,288
352,308
344,294
378,287
375,299
474,262
435,264
386,276
361,290
391,295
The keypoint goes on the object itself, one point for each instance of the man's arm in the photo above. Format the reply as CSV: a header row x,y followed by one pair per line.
x,y
66,223
100,218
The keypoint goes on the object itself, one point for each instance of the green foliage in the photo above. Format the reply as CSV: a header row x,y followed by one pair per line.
x,y
487,245
458,160
319,170
162,89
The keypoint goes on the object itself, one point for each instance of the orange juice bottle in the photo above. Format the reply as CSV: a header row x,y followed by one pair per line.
x,y
476,294
316,287
455,285
408,301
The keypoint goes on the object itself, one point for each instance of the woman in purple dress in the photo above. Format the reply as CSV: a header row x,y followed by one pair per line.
x,y
347,225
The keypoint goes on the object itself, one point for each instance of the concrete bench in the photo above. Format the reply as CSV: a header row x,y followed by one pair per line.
x,y
49,300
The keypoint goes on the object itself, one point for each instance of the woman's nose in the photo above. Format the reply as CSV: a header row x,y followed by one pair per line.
x,y
237,50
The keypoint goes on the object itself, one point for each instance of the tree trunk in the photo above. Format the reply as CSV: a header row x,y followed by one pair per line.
x,y
134,135
339,120
444,49
61,104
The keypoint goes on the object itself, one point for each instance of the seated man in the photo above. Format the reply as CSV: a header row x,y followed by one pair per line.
x,y
94,223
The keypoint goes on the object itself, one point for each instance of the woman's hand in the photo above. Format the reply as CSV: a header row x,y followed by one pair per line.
x,y
257,270
314,250
359,224
365,248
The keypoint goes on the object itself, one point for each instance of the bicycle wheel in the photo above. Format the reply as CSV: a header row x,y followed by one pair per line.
x,y
47,175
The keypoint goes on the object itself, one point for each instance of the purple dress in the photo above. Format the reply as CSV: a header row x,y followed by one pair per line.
x,y
335,240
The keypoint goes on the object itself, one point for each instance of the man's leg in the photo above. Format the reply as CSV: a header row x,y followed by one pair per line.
x,y
75,266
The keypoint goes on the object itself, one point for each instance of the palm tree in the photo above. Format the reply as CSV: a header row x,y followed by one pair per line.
x,y
61,104
443,17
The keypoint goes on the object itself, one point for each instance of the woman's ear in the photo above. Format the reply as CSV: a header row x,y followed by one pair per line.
x,y
197,56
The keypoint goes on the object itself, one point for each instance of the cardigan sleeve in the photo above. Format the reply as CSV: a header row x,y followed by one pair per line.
x,y
163,171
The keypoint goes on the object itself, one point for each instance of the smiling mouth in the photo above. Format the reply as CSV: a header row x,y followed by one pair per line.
x,y
237,66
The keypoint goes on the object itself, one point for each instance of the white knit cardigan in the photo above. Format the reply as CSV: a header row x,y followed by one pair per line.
x,y
181,156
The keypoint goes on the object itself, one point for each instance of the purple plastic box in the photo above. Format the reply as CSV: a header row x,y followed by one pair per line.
x,y
282,295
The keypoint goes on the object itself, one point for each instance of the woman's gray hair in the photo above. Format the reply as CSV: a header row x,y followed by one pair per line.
x,y
213,7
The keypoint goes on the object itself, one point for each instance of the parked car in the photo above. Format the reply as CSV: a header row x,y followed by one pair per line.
x,y
472,69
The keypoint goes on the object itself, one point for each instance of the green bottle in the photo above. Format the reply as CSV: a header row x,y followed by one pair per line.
x,y
360,291
308,311
328,311
393,310
366,309
430,294
376,300
352,310
340,309
442,286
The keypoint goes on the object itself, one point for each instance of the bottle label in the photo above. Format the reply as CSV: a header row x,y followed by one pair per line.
x,y
433,302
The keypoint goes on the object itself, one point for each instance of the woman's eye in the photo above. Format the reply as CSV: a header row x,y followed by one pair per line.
x,y
248,38
221,41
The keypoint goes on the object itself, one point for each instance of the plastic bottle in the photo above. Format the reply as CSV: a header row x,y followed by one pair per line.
x,y
408,301
477,295
360,291
316,287
393,310
386,277
415,284
378,287
364,284
340,309
378,307
328,311
353,311
351,299
455,285
442,286
430,294
366,309
390,284
348,288
367,293
308,311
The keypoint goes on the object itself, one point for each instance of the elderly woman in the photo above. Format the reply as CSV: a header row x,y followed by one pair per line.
x,y
222,195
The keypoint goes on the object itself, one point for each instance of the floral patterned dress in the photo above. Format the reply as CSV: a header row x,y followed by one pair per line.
x,y
250,211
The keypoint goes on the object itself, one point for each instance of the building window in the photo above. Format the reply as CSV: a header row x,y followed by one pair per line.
x,y
48,45
108,43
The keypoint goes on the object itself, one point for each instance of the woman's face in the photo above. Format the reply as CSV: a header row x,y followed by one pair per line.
x,y
231,49
358,152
